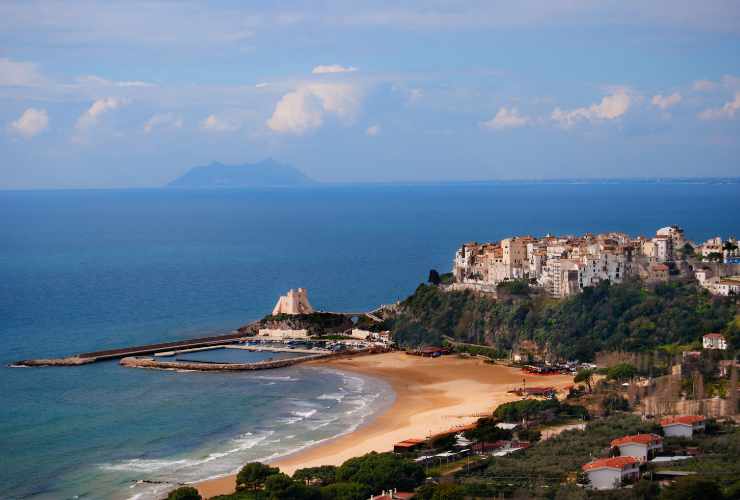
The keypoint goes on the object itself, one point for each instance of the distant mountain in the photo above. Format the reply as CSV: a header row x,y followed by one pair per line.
x,y
267,173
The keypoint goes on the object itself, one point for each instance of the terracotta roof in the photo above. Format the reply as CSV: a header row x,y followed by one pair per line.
x,y
714,336
660,267
637,438
612,463
682,419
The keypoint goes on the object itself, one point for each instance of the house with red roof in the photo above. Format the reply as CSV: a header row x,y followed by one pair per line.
x,y
611,473
714,341
393,495
640,446
682,425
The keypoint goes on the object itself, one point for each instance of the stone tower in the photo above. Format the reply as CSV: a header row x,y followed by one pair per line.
x,y
294,302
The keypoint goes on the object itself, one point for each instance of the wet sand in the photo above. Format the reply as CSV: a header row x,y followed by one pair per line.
x,y
432,395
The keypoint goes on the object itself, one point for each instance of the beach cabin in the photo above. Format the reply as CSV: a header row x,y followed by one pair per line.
x,y
640,446
611,473
408,445
714,341
682,425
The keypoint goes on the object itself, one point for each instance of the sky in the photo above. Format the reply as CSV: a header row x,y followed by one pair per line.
x,y
109,94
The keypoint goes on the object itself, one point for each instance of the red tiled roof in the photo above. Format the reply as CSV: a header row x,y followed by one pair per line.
x,y
613,463
714,336
682,419
409,443
637,438
660,267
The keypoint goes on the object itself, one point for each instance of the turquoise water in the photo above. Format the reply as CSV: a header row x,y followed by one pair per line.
x,y
234,356
89,270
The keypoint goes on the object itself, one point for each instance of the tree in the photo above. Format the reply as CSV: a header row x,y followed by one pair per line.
x,y
253,475
614,402
486,430
316,476
715,256
184,493
690,488
381,471
687,250
621,372
345,491
585,375
434,278
281,487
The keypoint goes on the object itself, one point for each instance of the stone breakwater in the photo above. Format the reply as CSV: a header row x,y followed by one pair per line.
x,y
70,361
135,362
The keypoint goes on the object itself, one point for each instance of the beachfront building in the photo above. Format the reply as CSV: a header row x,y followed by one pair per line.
x,y
682,425
639,446
611,473
714,341
294,302
281,335
393,494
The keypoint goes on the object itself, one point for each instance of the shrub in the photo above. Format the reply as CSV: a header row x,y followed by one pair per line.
x,y
381,471
253,475
184,493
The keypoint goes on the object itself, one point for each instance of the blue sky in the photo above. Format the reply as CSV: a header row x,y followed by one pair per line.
x,y
118,94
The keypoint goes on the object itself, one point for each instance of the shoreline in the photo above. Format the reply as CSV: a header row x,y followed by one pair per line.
x,y
432,395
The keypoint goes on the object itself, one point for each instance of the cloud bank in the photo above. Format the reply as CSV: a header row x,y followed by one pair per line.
x,y
32,122
611,107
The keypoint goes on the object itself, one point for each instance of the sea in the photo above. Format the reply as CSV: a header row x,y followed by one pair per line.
x,y
93,269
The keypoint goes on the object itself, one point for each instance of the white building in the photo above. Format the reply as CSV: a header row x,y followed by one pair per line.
x,y
640,446
276,334
611,473
682,426
714,341
663,248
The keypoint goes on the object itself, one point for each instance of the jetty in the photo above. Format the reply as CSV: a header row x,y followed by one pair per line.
x,y
124,352
137,362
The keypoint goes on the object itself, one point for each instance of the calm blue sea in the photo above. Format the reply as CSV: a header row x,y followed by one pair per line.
x,y
87,270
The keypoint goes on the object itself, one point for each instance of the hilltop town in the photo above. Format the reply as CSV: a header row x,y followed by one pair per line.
x,y
565,265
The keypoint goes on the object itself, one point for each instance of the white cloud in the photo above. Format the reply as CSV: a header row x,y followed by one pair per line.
x,y
89,118
32,122
261,84
727,111
665,102
303,109
94,80
703,86
332,68
506,118
373,130
18,74
611,107
214,123
163,120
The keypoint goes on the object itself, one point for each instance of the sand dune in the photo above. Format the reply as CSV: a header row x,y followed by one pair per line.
x,y
432,395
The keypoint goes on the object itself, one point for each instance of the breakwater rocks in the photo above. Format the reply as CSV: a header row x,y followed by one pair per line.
x,y
135,362
70,361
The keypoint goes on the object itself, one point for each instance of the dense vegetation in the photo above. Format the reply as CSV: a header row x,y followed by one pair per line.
x,y
547,411
317,323
355,479
628,317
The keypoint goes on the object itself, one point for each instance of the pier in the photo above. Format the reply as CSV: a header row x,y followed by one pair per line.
x,y
92,357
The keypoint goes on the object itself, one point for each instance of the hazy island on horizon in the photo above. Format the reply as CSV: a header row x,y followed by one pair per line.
x,y
266,173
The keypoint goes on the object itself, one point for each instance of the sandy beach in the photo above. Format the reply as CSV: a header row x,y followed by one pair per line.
x,y
432,396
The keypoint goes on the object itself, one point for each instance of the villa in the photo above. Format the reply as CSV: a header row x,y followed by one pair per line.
x,y
714,341
682,425
611,473
639,446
